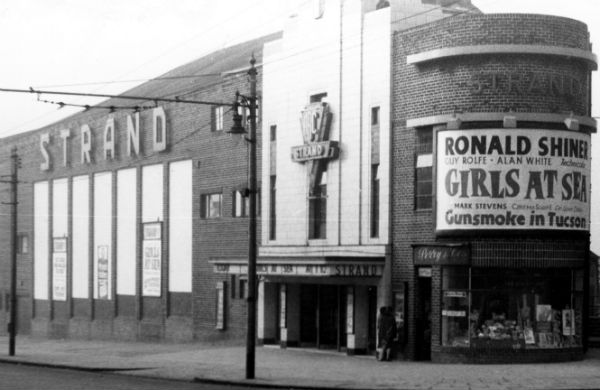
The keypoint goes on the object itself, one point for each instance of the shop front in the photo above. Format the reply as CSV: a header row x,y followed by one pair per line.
x,y
501,312
519,199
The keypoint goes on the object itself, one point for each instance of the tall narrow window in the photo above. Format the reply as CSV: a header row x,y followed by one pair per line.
x,y
424,169
217,118
375,200
241,203
22,243
273,133
375,151
318,209
272,208
375,116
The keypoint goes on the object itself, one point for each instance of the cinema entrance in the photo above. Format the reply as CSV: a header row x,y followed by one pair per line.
x,y
333,313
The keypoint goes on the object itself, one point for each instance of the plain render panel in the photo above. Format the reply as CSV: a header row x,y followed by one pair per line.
x,y
41,244
180,226
152,193
80,244
126,231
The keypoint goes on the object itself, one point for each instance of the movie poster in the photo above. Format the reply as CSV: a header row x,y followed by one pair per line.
x,y
152,259
518,179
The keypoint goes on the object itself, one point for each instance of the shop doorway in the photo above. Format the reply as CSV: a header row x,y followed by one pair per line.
x,y
423,341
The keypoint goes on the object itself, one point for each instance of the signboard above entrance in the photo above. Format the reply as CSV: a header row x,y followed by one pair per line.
x,y
370,269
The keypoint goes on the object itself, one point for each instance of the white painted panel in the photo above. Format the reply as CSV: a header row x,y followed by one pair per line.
x,y
81,238
102,235
60,219
152,193
60,205
376,72
345,215
126,224
40,239
180,226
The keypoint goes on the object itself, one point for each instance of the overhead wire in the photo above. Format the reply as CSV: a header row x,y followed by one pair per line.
x,y
130,81
193,90
202,33
239,13
315,47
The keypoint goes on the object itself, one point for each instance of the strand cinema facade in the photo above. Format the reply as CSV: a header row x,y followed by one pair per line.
x,y
440,168
325,258
421,156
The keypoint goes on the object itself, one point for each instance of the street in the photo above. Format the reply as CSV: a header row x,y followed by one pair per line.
x,y
23,377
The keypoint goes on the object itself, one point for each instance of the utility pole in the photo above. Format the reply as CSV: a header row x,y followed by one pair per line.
x,y
12,327
251,331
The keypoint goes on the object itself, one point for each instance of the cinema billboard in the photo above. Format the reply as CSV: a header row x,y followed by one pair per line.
x,y
512,179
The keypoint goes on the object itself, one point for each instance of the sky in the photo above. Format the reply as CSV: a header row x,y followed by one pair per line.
x,y
99,46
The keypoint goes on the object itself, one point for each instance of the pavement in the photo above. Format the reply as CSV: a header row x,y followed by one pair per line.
x,y
294,368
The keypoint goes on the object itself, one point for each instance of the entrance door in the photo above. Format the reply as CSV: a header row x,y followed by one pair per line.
x,y
423,341
328,316
308,315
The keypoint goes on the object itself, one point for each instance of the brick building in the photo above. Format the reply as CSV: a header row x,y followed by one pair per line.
x,y
416,154
493,110
478,152
103,251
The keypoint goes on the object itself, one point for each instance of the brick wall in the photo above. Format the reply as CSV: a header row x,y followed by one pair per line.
x,y
219,163
446,86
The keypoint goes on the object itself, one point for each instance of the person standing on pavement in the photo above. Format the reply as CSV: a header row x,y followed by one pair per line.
x,y
386,333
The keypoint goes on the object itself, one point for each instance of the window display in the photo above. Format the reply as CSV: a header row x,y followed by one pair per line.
x,y
511,308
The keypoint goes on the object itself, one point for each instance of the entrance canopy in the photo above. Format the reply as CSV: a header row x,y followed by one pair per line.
x,y
318,267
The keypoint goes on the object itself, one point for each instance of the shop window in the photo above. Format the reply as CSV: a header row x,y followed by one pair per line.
x,y
424,169
511,309
317,202
272,208
375,200
22,243
455,306
241,203
217,118
210,205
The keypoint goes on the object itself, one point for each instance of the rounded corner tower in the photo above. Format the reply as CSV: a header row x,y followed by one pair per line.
x,y
491,122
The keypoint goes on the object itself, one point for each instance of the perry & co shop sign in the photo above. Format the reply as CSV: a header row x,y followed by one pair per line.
x,y
499,179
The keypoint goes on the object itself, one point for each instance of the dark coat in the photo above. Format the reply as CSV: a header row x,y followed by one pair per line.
x,y
387,329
